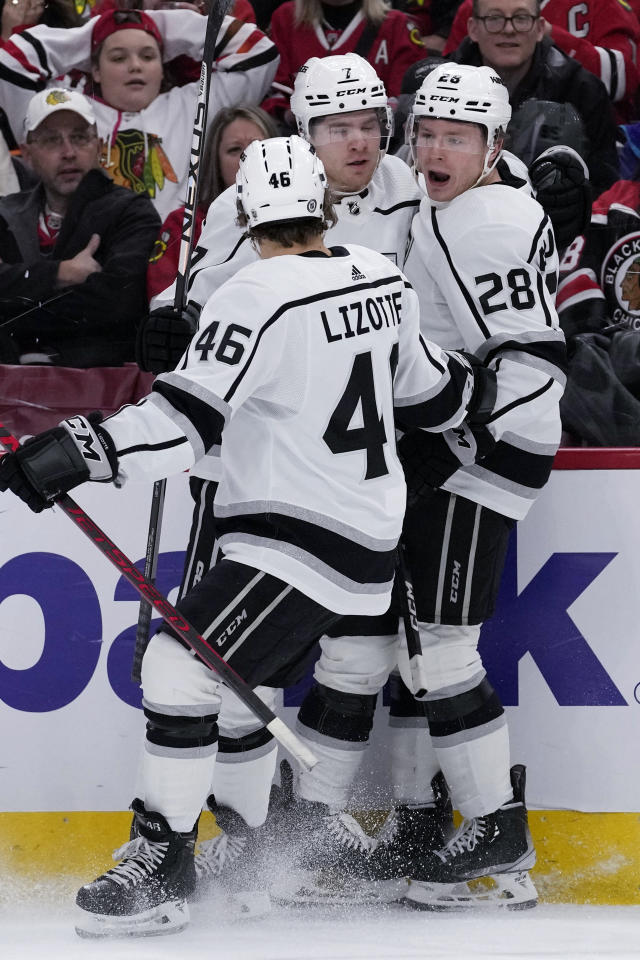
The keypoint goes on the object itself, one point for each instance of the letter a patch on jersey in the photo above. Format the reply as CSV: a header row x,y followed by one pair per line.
x,y
357,274
382,53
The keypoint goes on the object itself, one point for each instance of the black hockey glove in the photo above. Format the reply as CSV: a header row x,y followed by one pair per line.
x,y
57,460
559,177
485,388
429,459
164,336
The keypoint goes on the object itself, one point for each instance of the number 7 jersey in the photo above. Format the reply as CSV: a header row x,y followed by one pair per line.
x,y
301,363
485,269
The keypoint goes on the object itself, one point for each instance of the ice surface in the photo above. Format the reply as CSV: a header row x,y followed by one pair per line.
x,y
43,930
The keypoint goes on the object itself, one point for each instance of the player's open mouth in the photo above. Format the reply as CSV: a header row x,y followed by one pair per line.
x,y
434,176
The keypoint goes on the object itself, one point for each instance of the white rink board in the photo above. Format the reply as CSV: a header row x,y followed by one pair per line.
x,y
71,742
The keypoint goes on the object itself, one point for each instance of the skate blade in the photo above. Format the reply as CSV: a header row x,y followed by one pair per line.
x,y
313,893
169,917
510,891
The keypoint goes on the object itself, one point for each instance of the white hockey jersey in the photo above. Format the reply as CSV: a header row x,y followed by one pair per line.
x,y
379,217
301,360
149,150
485,269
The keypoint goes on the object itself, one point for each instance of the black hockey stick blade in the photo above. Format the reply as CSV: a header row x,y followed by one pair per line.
x,y
150,570
148,591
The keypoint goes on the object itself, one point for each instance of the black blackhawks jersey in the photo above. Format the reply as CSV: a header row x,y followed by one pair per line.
x,y
600,271
485,269
302,361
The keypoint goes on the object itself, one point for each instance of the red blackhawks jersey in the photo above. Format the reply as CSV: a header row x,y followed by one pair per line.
x,y
602,35
600,271
396,46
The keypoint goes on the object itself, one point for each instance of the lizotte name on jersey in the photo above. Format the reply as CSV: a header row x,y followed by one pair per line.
x,y
352,317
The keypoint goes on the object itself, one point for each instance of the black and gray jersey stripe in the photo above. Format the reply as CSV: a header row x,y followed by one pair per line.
x,y
349,559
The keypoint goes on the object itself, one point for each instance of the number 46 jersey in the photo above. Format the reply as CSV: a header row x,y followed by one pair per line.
x,y
299,362
485,269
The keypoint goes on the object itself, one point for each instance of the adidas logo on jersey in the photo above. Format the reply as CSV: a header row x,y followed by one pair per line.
x,y
357,274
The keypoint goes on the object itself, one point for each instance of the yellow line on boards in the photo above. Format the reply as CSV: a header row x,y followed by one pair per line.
x,y
582,857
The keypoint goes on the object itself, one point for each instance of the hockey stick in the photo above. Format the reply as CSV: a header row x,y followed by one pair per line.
x,y
410,620
36,306
174,619
215,18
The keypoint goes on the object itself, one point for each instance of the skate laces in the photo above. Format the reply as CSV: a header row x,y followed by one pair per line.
x,y
216,854
139,857
465,839
347,831
389,829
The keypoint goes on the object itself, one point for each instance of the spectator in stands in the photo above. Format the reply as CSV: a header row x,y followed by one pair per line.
x,y
9,182
532,68
316,28
433,19
147,133
603,35
598,304
182,69
231,131
73,249
17,15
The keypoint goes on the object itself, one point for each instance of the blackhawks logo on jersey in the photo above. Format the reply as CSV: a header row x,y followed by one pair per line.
x,y
621,280
130,167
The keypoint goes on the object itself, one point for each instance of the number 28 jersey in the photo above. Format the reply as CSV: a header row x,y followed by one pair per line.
x,y
301,363
485,269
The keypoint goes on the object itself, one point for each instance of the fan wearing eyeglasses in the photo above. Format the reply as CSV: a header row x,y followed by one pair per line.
x,y
510,36
602,35
73,249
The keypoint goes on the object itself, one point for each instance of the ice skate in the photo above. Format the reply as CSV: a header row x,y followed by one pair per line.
x,y
146,893
485,864
376,869
221,855
408,834
327,852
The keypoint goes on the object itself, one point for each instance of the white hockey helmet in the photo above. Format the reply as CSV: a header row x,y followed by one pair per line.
x,y
339,84
458,91
280,179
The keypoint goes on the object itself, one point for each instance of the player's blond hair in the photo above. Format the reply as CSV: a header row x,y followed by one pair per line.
x,y
309,12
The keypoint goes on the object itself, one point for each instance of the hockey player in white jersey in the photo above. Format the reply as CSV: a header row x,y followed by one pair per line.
x,y
310,502
482,258
484,263
340,106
